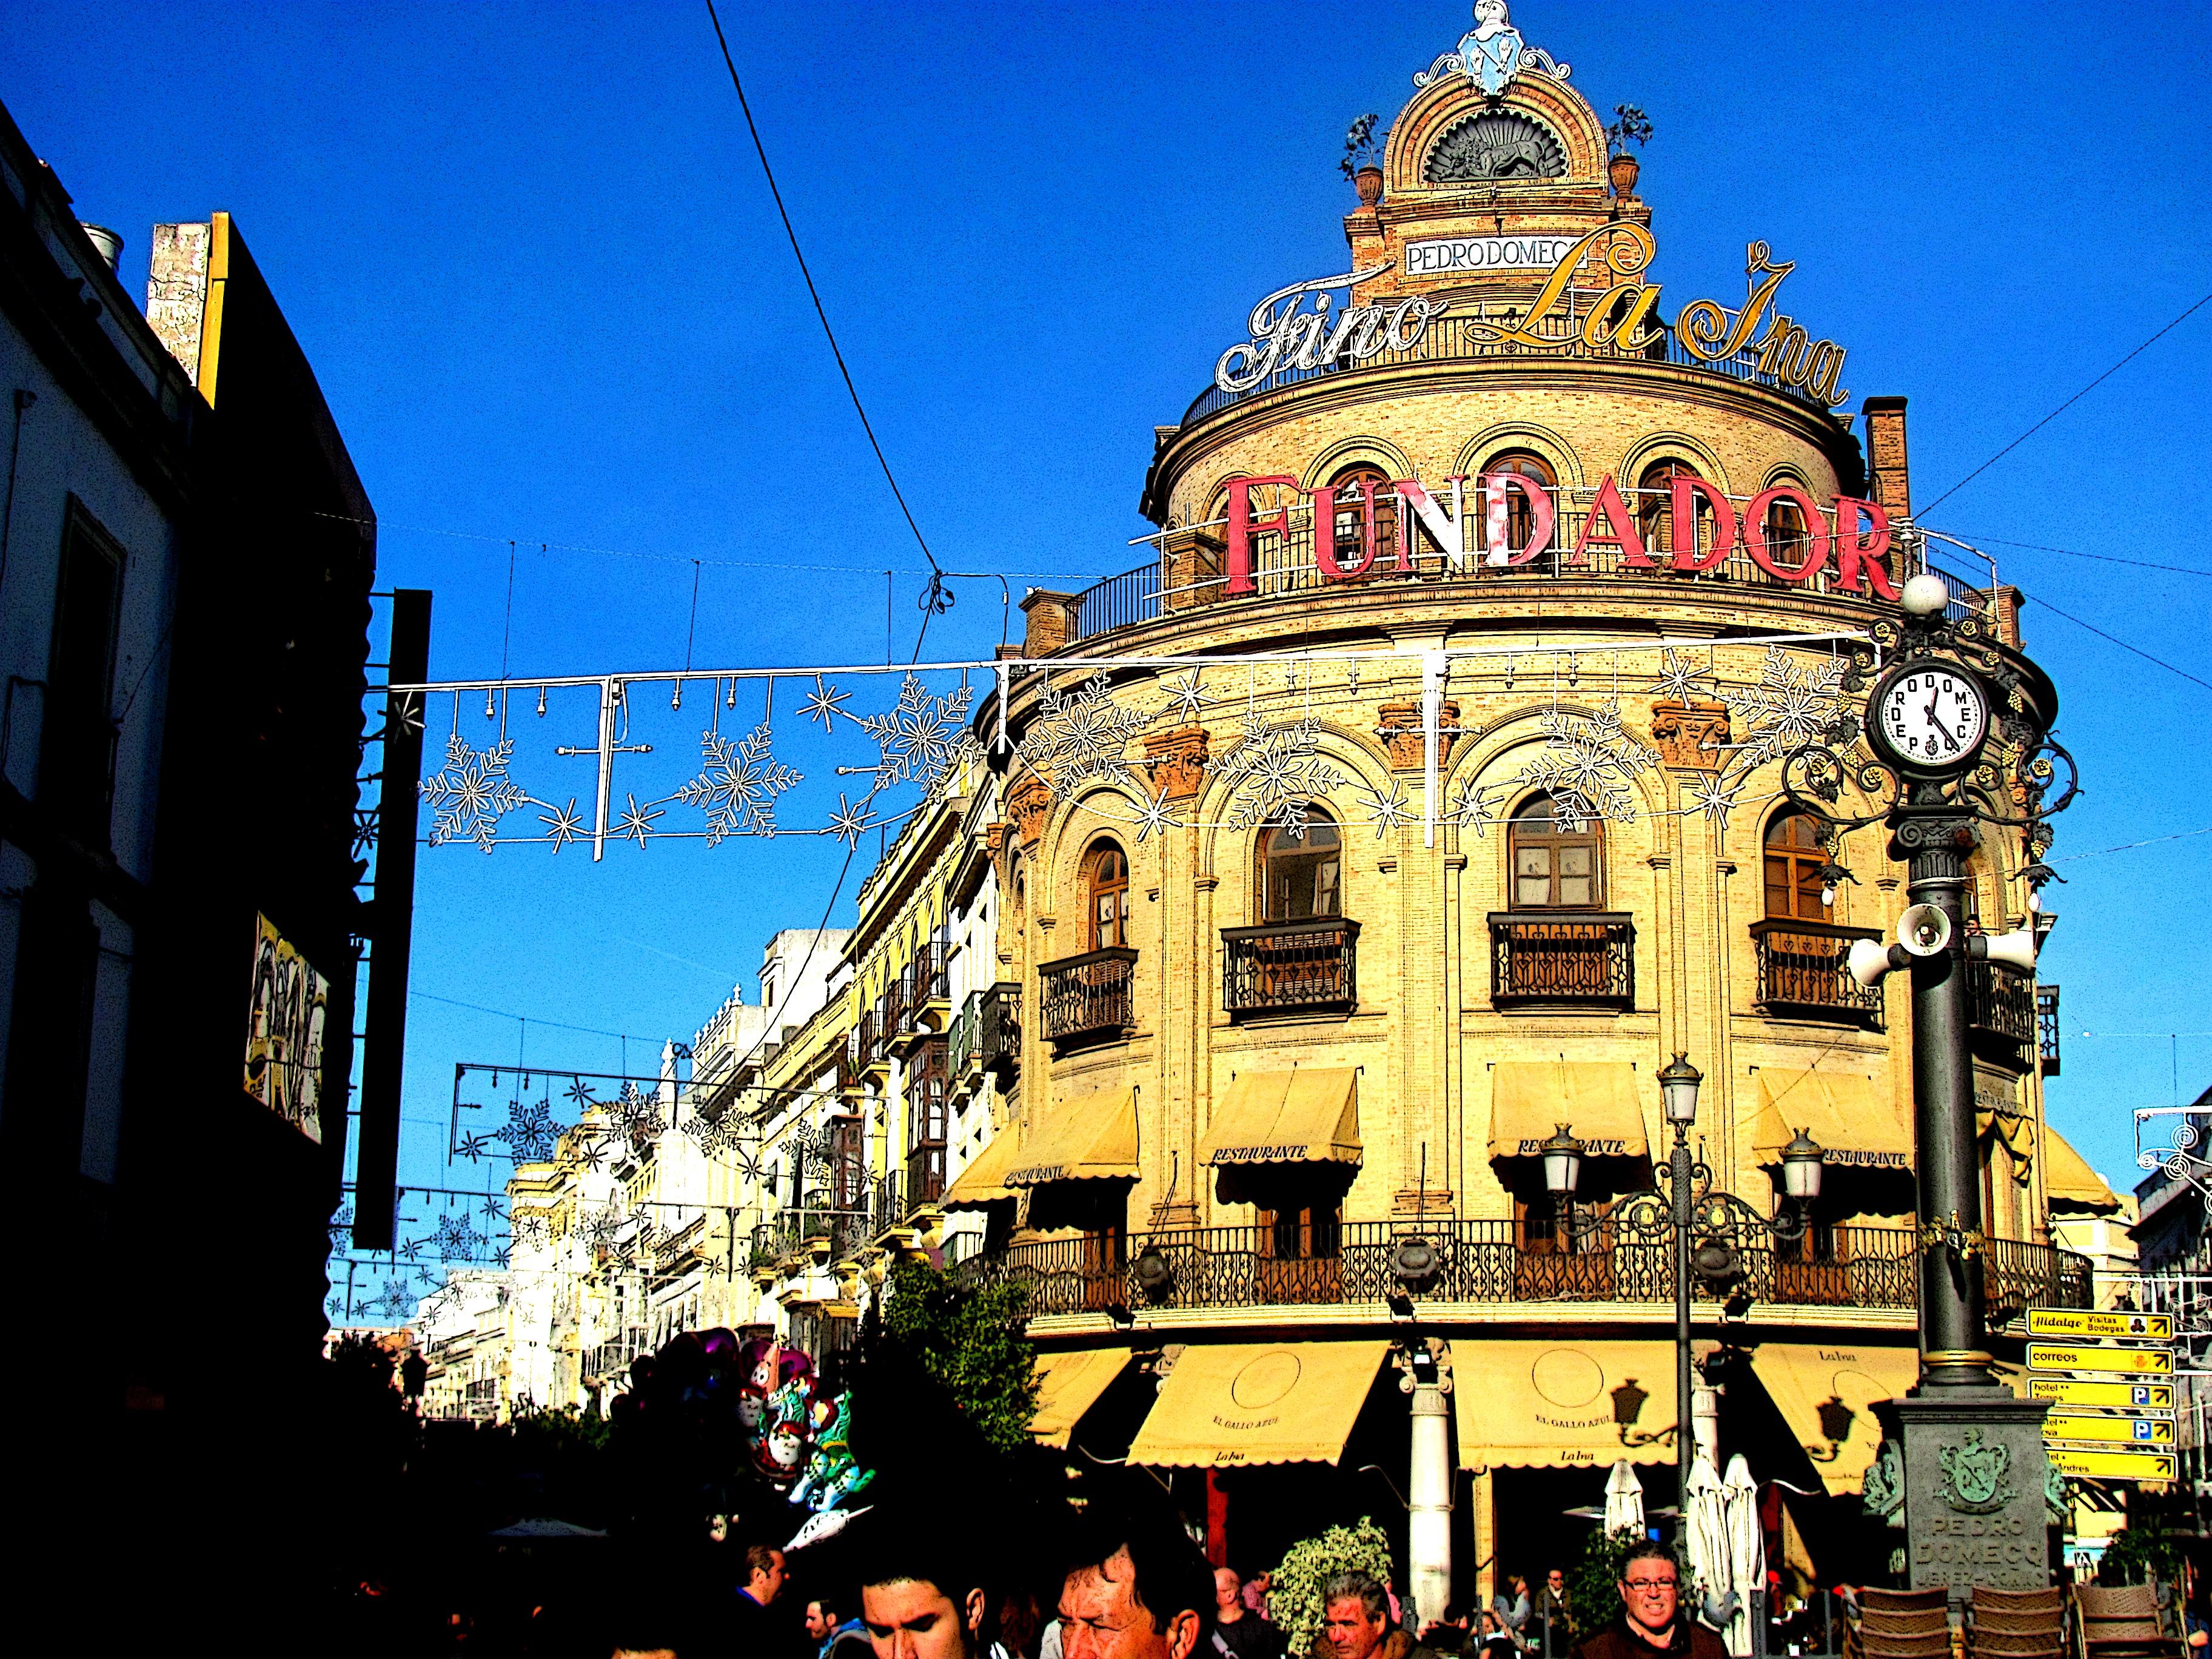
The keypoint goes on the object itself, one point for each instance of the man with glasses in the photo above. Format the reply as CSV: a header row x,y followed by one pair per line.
x,y
1652,1621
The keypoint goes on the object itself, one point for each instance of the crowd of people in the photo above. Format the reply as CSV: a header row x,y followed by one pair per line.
x,y
933,1584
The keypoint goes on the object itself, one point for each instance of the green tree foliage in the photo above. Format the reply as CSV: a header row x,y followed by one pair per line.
x,y
1594,1586
1294,1600
968,1338
2140,1554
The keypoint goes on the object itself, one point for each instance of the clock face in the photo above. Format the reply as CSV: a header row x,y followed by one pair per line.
x,y
1931,717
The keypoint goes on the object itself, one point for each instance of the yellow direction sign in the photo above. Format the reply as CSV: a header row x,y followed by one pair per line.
x,y
2085,1425
2082,1321
2116,1464
2125,1362
2153,1397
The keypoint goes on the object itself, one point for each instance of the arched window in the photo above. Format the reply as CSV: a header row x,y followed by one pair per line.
x,y
1352,486
1106,884
1794,862
1519,517
1300,873
1655,507
1554,867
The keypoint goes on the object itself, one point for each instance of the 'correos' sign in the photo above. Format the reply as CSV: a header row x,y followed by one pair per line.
x,y
1455,253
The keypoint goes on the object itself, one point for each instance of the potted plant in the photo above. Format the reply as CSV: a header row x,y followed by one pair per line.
x,y
1620,167
1361,163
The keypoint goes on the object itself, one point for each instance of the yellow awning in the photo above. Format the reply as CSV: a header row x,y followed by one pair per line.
x,y
2073,1187
1092,1137
1562,1405
1599,1100
1296,1116
984,1181
1068,1385
1824,1394
1857,1121
1231,1404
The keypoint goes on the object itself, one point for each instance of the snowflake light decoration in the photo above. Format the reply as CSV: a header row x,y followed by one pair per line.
x,y
455,1238
636,1114
1475,806
852,819
1586,766
341,1228
562,824
1717,796
919,738
1081,735
1388,812
1276,772
1791,705
1678,678
472,792
1154,817
738,786
1185,704
531,1134
637,822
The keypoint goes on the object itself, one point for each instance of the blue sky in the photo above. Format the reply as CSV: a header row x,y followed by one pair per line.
x,y
530,252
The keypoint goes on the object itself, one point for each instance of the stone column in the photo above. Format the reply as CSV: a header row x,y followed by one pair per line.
x,y
1429,1481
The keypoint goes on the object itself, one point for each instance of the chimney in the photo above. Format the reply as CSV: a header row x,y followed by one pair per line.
x,y
1886,462
105,242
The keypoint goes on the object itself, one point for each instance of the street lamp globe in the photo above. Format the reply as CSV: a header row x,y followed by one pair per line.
x,y
1678,1089
1562,1163
1802,1163
1924,595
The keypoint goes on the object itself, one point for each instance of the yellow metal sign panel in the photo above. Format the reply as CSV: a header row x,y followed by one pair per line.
x,y
2124,1396
2127,1362
2132,1431
2083,1322
2111,1465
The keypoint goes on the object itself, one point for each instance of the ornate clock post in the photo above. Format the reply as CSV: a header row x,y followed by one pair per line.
x,y
1958,736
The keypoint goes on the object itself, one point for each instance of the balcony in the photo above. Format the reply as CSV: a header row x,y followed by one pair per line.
x,y
998,1031
925,1175
961,1053
1087,997
1494,1261
2002,1013
1290,967
1562,959
2046,1027
924,999
1802,973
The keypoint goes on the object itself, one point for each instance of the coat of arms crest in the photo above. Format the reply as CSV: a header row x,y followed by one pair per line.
x,y
1974,1475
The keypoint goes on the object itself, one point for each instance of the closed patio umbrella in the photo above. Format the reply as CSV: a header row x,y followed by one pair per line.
x,y
1623,1500
1747,1549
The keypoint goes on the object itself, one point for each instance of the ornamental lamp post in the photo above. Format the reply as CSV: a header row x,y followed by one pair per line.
x,y
1802,1163
1562,1163
1956,731
1678,1097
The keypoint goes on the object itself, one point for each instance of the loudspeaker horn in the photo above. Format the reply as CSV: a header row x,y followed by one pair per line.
x,y
2017,948
1924,930
1868,962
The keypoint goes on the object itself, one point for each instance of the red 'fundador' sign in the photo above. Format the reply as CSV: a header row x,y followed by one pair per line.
x,y
1854,532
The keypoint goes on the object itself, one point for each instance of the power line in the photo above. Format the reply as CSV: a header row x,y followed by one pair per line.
x,y
2116,640
2075,553
937,573
501,1013
2130,846
2064,407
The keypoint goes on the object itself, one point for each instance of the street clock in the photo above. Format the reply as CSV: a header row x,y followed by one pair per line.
x,y
1928,717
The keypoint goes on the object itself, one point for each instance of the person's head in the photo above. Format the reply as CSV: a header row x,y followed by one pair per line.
x,y
763,1572
1355,1616
1556,1580
1228,1590
1651,1584
922,1594
1135,1589
1264,1580
821,1619
1491,1625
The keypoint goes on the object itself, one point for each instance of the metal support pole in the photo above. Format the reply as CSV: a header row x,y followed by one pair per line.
x,y
1686,1439
1428,1487
1953,1345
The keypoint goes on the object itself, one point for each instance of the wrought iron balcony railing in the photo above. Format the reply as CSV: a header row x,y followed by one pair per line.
x,y
1494,1261
2046,1027
1286,966
1562,959
2002,1013
1087,996
1802,972
999,1032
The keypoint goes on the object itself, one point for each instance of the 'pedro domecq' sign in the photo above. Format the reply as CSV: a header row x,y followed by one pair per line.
x,y
1854,532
